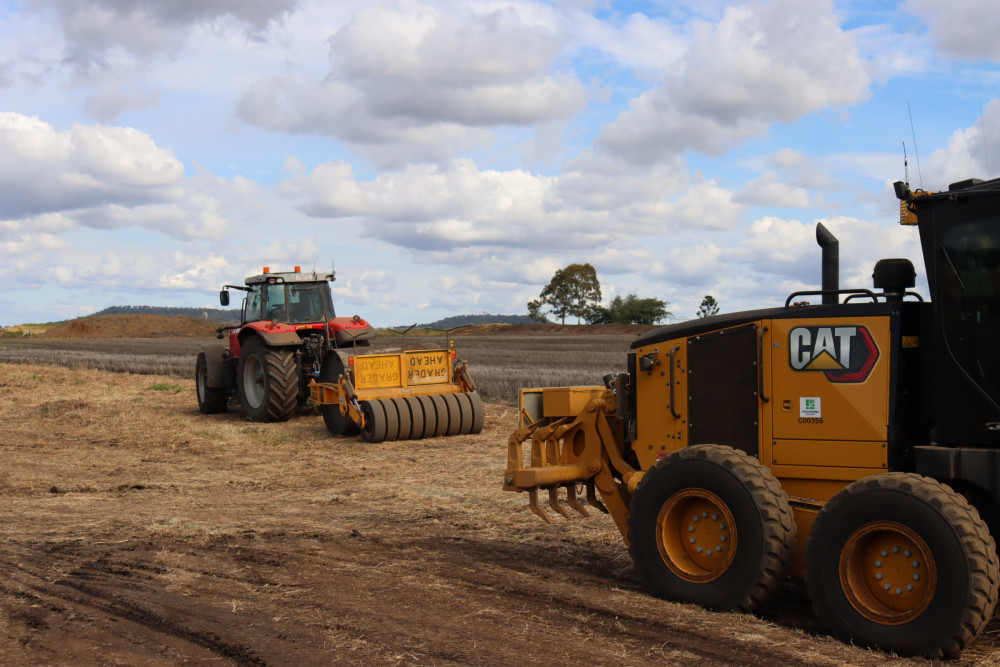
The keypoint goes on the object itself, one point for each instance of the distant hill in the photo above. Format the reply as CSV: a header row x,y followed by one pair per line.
x,y
467,320
231,316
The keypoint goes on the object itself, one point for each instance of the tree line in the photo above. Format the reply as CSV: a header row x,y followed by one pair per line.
x,y
576,291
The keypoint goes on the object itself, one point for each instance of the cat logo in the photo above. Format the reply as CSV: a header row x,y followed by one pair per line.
x,y
843,354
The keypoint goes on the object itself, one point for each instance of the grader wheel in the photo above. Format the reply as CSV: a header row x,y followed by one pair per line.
x,y
454,414
711,525
416,417
902,562
374,428
405,422
430,416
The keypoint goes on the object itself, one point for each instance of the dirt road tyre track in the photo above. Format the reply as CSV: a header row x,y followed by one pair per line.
x,y
939,597
711,525
211,400
267,381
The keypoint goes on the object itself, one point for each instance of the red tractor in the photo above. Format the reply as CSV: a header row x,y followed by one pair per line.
x,y
290,349
288,328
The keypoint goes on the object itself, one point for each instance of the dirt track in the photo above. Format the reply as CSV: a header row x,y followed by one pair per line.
x,y
136,531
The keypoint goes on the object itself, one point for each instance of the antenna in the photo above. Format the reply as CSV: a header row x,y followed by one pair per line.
x,y
982,124
906,167
916,152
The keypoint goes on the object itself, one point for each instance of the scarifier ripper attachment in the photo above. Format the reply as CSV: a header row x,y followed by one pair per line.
x,y
568,438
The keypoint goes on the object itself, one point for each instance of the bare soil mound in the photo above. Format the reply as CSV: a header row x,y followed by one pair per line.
x,y
561,329
133,326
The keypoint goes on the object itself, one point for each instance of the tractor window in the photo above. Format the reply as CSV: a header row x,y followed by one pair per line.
x,y
309,302
971,282
276,306
252,313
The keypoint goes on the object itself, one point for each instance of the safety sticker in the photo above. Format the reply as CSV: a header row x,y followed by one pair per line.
x,y
810,407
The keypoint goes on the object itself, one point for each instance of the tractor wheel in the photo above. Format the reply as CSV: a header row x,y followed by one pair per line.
x,y
374,428
268,383
336,422
211,400
904,563
711,525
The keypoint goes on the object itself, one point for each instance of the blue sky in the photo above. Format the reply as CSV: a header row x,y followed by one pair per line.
x,y
448,157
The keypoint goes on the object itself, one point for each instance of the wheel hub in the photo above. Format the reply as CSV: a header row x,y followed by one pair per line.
x,y
696,535
888,573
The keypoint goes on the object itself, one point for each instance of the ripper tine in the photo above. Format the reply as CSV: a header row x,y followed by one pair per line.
x,y
554,502
533,504
592,498
573,502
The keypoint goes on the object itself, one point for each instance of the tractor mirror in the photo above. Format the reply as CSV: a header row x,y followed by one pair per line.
x,y
224,297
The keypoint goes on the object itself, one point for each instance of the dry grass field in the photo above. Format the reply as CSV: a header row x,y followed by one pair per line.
x,y
135,530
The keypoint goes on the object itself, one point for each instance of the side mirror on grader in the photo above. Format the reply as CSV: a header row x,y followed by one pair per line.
x,y
855,443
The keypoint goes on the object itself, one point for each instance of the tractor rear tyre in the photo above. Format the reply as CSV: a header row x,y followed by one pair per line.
x,y
268,382
904,563
711,525
211,400
336,422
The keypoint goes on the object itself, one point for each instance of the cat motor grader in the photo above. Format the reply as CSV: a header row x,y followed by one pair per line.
x,y
854,443
291,349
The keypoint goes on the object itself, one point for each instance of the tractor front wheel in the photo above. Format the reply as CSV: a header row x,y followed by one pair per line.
x,y
267,380
904,563
711,525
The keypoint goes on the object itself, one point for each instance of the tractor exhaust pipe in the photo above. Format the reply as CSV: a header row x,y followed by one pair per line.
x,y
831,263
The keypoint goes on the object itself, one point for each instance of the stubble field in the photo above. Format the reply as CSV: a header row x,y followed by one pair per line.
x,y
137,531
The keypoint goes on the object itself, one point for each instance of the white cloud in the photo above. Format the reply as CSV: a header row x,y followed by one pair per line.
x,y
965,29
768,190
411,83
42,170
762,63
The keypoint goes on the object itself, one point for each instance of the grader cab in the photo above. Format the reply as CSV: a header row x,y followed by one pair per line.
x,y
854,443
291,349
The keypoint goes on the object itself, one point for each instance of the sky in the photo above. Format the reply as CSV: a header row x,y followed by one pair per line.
x,y
447,157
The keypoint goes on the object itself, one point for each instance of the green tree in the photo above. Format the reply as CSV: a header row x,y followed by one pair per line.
x,y
535,311
629,310
709,306
572,291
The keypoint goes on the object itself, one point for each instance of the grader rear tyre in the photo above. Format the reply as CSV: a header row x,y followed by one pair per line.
x,y
375,426
267,381
454,414
904,563
711,525
336,422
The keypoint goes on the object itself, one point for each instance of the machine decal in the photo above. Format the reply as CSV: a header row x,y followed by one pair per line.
x,y
810,407
843,354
